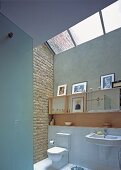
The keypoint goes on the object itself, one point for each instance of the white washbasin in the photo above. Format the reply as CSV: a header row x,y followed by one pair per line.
x,y
108,140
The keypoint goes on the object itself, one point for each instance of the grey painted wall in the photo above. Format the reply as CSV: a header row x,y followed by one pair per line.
x,y
86,154
88,61
15,98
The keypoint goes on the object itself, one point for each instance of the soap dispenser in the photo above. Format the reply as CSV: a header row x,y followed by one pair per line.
x,y
52,122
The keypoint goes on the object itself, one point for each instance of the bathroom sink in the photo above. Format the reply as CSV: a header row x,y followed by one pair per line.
x,y
108,140
77,168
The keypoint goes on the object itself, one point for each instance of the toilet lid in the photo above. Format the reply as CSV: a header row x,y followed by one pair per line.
x,y
56,150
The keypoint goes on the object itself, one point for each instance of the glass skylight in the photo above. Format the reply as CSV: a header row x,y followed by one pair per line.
x,y
112,16
61,42
87,29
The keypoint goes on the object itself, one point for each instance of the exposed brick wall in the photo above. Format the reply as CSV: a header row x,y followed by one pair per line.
x,y
42,89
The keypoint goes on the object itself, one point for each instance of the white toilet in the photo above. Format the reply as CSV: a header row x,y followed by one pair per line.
x,y
60,153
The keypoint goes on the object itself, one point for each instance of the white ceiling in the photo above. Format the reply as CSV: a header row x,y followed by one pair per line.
x,y
43,19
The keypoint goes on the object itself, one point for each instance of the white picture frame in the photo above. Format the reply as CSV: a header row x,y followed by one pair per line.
x,y
79,87
62,90
77,104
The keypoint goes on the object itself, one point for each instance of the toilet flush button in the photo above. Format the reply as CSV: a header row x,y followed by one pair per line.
x,y
52,142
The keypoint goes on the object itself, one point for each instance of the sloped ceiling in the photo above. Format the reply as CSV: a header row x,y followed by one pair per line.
x,y
43,19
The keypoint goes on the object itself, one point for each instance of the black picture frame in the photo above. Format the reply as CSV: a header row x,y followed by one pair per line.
x,y
107,80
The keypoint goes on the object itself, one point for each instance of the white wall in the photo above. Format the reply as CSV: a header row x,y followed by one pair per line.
x,y
86,154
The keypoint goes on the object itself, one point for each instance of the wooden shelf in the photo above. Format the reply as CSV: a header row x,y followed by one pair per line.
x,y
61,110
97,112
89,119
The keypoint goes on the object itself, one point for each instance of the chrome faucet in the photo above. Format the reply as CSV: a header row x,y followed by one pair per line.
x,y
105,132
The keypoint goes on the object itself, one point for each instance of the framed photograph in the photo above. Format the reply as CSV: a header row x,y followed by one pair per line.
x,y
106,81
79,87
116,84
62,90
77,104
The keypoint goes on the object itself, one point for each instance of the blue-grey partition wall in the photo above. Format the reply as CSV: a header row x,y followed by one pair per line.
x,y
16,146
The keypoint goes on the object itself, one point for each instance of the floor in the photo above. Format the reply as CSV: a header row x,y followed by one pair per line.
x,y
46,164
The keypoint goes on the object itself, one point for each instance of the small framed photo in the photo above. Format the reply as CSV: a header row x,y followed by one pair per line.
x,y
62,90
79,87
77,104
106,81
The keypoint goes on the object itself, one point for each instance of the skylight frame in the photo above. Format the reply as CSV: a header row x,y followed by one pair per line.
x,y
80,29
69,41
112,16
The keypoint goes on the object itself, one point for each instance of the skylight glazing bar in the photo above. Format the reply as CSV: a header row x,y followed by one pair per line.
x,y
72,38
102,22
47,44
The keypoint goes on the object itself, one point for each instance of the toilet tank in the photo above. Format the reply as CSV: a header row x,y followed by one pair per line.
x,y
63,140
